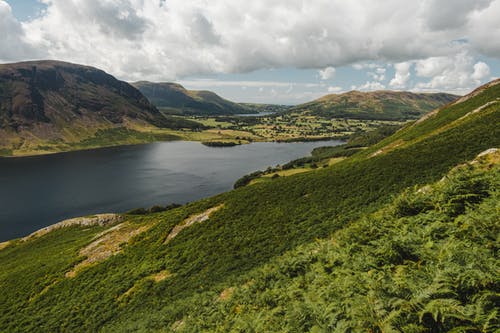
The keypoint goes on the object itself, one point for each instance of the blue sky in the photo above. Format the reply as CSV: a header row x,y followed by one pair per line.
x,y
284,52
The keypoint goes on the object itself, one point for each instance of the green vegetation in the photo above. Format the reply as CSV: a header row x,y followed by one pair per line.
x,y
322,156
426,262
5,152
178,123
153,209
173,98
292,127
220,143
377,105
122,135
260,108
361,245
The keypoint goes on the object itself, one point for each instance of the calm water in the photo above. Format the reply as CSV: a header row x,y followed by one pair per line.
x,y
42,190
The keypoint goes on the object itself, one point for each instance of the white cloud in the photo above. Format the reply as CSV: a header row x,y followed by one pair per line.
x,y
327,73
364,65
378,74
458,72
221,83
481,71
166,40
443,15
335,89
402,75
12,42
369,86
484,29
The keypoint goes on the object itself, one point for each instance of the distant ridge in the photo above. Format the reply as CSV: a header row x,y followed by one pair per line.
x,y
376,105
177,99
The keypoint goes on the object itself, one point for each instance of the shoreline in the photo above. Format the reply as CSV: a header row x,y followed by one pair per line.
x,y
45,153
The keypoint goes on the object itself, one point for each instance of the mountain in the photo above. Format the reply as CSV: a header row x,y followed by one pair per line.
x,y
377,105
51,103
399,237
174,98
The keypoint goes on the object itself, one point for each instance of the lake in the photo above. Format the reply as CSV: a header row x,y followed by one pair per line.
x,y
42,190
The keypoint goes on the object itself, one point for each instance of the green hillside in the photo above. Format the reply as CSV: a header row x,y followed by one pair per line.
x,y
173,98
360,246
376,105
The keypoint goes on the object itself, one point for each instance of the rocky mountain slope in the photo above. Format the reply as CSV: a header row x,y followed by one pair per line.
x,y
44,103
377,105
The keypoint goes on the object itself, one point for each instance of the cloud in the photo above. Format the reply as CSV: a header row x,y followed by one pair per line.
x,y
443,15
369,86
220,83
12,43
484,29
481,71
378,74
335,89
402,75
327,74
361,66
457,72
167,40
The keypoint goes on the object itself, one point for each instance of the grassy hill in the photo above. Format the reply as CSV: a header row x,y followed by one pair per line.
x,y
48,106
377,105
377,242
173,98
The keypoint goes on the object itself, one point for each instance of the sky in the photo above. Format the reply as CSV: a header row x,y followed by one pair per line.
x,y
260,51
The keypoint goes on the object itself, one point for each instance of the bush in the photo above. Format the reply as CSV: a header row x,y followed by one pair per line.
x,y
137,211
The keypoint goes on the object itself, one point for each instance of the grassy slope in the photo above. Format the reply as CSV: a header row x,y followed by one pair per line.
x,y
381,105
175,99
256,224
426,262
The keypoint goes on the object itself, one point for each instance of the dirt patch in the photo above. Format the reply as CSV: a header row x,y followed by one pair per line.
x,y
198,218
4,245
226,294
387,148
177,325
106,245
160,276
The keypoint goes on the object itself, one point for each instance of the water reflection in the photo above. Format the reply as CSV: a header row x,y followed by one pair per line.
x,y
38,191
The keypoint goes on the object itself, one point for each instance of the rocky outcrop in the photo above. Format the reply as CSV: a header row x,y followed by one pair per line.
x,y
94,220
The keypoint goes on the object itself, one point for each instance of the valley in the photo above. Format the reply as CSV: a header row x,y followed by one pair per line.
x,y
50,106
249,167
397,236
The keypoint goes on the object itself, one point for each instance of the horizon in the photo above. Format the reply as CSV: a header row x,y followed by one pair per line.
x,y
265,59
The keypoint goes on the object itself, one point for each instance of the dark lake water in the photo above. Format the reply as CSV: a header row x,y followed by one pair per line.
x,y
42,190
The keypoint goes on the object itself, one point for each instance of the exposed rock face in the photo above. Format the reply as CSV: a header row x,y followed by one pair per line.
x,y
57,93
88,221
